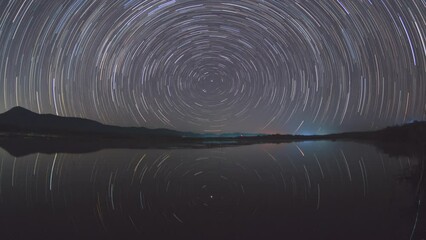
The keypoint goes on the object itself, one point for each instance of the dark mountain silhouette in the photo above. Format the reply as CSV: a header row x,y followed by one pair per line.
x,y
19,120
23,132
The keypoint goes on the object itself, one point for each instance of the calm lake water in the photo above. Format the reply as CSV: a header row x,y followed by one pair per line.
x,y
306,190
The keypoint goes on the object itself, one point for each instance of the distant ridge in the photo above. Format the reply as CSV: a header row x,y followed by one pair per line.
x,y
19,120
24,132
23,122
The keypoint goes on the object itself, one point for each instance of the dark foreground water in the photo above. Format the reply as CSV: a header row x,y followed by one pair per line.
x,y
308,190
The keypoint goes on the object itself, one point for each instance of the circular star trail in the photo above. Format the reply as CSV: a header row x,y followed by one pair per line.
x,y
217,66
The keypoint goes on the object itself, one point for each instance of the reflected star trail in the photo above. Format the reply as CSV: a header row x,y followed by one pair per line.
x,y
218,66
324,190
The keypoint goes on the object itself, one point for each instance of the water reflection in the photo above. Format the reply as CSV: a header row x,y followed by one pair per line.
x,y
321,190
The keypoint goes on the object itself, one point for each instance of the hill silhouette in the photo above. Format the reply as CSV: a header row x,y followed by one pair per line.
x,y
19,120
23,132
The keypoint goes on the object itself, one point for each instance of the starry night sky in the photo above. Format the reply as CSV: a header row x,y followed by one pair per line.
x,y
288,66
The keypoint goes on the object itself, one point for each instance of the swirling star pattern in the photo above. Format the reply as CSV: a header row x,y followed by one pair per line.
x,y
210,66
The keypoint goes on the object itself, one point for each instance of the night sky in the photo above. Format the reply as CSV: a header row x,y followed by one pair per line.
x,y
287,66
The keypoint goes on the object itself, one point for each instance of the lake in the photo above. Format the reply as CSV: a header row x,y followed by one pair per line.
x,y
304,190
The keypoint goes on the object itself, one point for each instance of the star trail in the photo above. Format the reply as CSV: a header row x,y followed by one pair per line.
x,y
284,66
